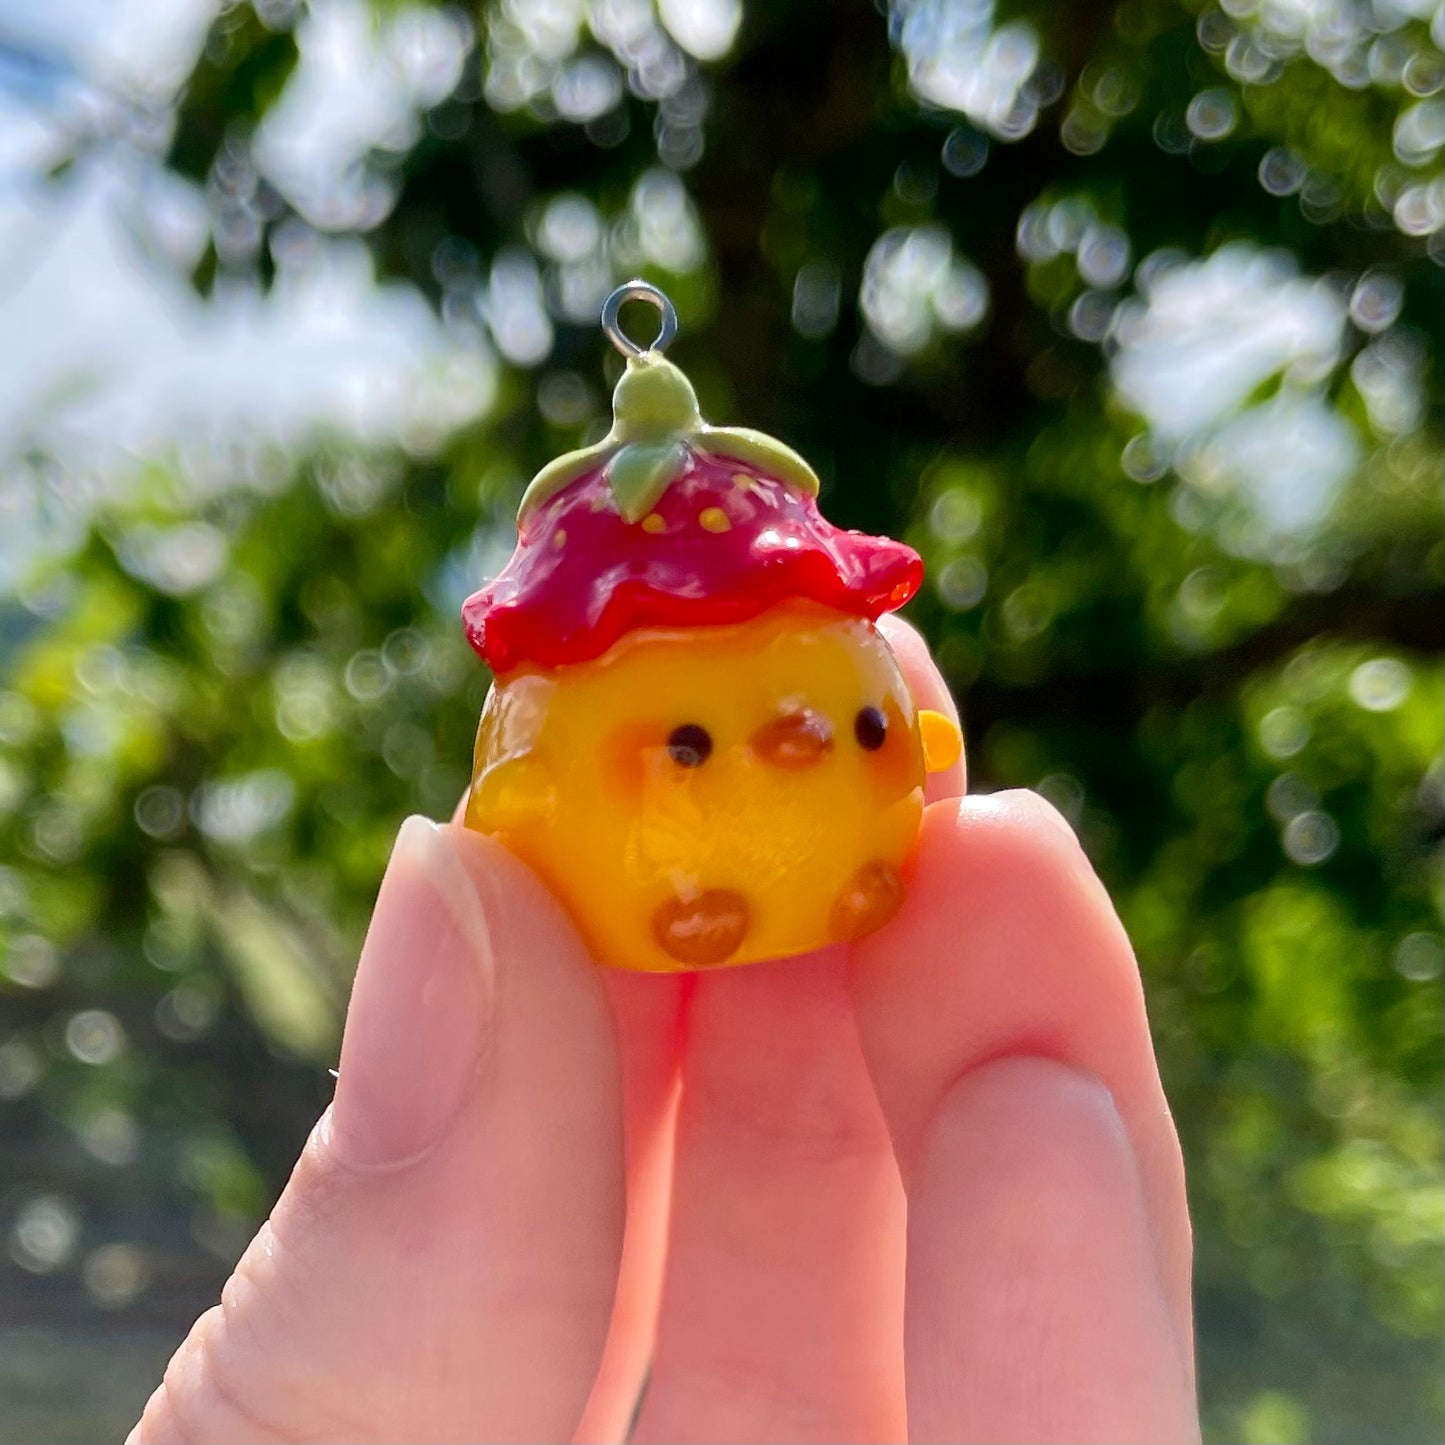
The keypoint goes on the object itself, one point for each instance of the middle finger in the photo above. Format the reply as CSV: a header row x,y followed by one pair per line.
x,y
782,1301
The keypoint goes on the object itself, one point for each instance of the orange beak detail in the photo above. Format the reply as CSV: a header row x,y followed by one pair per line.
x,y
794,741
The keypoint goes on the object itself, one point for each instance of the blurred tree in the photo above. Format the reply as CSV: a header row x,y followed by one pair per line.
x,y
1125,314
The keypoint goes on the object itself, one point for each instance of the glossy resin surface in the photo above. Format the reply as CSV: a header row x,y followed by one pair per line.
x,y
697,736
699,797
720,542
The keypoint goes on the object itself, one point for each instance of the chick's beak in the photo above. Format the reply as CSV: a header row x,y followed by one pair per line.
x,y
795,740
942,741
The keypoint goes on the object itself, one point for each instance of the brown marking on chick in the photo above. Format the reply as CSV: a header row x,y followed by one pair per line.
x,y
701,931
868,900
794,741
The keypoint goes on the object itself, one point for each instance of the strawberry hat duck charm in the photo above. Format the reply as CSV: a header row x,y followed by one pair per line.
x,y
696,735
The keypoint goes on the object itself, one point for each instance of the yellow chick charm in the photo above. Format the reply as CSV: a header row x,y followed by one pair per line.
x,y
696,736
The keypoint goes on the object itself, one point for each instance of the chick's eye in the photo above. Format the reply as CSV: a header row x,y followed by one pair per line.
x,y
870,727
689,745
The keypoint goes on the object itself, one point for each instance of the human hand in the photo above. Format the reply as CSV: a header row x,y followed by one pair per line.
x,y
925,1186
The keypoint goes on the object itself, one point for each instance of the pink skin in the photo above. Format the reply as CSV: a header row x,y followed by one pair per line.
x,y
925,1186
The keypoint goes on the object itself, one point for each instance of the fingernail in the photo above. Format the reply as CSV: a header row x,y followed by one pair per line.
x,y
420,1007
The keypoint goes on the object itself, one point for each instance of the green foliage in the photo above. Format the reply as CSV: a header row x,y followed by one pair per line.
x,y
201,770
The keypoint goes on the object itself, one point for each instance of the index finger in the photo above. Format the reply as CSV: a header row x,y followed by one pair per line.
x,y
1007,947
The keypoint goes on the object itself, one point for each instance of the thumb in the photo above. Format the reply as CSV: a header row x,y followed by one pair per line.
x,y
442,1263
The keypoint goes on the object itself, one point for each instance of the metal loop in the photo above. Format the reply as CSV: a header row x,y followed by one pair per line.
x,y
638,290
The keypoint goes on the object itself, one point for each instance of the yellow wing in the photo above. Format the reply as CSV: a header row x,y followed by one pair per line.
x,y
510,795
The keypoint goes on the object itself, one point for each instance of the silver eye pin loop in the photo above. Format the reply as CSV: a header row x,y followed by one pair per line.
x,y
638,290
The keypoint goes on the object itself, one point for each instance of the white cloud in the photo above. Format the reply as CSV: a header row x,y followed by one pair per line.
x,y
1205,338
361,83
1214,330
119,358
123,358
141,48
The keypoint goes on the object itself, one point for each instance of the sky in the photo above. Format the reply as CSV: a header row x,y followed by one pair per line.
x,y
115,359
122,359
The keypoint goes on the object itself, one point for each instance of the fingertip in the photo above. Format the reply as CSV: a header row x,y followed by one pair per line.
x,y
925,681
1014,845
519,905
1006,942
1025,809
414,1034
551,1001
929,691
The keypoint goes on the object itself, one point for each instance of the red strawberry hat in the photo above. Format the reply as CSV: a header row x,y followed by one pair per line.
x,y
669,522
